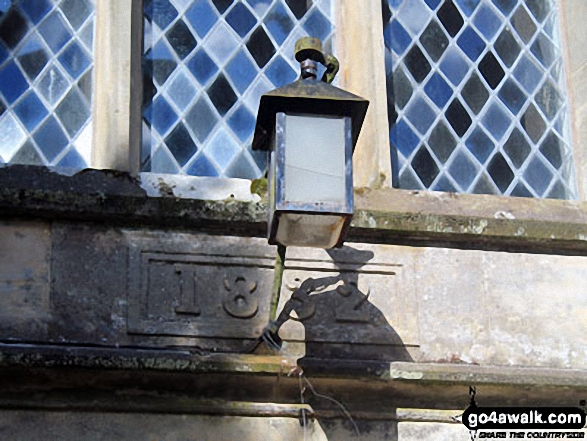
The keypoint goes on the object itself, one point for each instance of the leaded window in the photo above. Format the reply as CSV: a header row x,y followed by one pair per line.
x,y
206,65
476,97
46,68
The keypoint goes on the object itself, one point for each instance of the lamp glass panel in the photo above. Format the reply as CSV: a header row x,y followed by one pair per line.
x,y
314,159
309,230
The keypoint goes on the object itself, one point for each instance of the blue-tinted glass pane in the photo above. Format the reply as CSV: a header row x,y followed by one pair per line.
x,y
480,145
161,61
12,82
31,111
163,115
463,171
259,6
404,138
468,6
13,28
443,184
528,74
77,11
73,112
496,121
75,60
538,176
72,159
471,44
181,39
280,71
161,12
36,10
544,50
242,71
51,139
421,115
202,167
317,25
27,154
53,85
396,37
505,6
202,119
242,167
201,16
163,162
279,23
512,96
425,167
487,21
242,123
223,149
438,90
180,144
32,57
202,66
222,43
181,91
454,66
241,19
55,31
414,15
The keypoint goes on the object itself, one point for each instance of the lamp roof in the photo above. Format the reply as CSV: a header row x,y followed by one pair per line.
x,y
308,97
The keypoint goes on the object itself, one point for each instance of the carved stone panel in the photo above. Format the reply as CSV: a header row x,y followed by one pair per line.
x,y
372,301
199,287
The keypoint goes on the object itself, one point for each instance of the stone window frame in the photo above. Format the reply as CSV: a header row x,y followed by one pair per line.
x,y
418,217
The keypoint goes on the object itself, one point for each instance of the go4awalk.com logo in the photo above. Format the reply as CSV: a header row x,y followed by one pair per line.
x,y
525,422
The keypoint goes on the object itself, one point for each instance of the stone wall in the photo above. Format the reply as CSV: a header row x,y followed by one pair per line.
x,y
114,327
99,285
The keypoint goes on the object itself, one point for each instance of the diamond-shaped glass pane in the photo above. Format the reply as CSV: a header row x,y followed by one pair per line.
x,y
206,65
476,97
46,80
433,39
442,142
425,166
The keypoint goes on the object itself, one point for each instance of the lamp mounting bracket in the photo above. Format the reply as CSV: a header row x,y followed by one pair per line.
x,y
308,52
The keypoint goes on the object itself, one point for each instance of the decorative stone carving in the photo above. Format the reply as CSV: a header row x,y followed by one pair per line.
x,y
200,286
240,301
188,303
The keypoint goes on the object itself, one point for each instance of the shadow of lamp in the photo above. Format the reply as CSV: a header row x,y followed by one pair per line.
x,y
309,129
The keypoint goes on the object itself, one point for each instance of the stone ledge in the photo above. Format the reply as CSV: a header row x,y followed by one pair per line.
x,y
118,199
263,378
526,377
388,216
471,221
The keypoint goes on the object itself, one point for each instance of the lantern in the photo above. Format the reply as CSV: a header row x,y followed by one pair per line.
x,y
310,129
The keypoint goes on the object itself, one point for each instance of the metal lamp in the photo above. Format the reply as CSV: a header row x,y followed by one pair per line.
x,y
310,129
